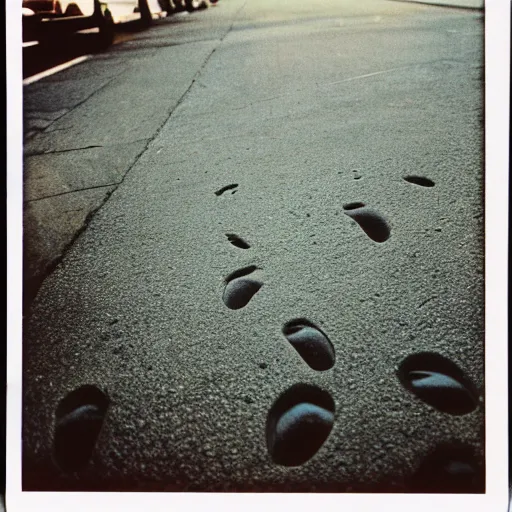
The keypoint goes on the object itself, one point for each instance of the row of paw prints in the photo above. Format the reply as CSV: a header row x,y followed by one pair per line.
x,y
301,419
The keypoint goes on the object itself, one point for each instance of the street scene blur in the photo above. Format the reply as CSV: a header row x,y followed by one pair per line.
x,y
253,246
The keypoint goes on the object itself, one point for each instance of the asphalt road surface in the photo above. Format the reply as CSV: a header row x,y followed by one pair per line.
x,y
280,287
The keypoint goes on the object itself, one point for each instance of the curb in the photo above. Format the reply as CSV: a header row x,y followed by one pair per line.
x,y
477,5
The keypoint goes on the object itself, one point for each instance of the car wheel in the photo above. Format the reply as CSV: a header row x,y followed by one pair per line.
x,y
146,17
166,6
178,6
192,5
106,28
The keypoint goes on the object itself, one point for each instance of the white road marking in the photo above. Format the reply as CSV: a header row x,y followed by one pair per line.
x,y
56,69
363,76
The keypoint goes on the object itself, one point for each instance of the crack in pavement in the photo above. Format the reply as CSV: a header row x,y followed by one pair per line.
x,y
72,192
195,78
92,146
38,115
234,19
45,130
427,301
53,151
32,285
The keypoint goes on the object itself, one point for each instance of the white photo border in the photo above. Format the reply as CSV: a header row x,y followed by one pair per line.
x,y
497,70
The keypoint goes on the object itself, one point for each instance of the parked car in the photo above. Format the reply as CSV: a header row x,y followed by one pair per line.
x,y
49,20
183,5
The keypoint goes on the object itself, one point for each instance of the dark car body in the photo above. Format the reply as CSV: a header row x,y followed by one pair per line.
x,y
43,19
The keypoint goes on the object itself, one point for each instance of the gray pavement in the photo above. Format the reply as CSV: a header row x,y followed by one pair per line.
x,y
307,108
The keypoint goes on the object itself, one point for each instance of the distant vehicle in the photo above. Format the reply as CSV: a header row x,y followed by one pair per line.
x,y
183,5
49,20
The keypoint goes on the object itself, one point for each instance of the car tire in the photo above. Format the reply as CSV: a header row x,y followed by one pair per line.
x,y
106,29
192,5
146,18
166,6
178,6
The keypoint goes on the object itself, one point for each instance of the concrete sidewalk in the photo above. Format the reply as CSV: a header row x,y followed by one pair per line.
x,y
306,170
